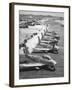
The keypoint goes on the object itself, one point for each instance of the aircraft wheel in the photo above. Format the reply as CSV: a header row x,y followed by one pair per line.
x,y
55,51
51,67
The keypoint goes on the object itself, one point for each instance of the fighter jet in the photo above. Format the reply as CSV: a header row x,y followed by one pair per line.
x,y
40,62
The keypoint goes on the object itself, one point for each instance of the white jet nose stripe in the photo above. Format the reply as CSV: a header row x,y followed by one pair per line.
x,y
53,61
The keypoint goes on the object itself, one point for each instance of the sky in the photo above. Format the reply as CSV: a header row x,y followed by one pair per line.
x,y
59,14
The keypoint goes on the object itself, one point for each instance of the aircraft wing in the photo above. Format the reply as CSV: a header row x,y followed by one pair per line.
x,y
31,65
46,42
41,50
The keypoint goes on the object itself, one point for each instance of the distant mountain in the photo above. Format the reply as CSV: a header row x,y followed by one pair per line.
x,y
37,17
